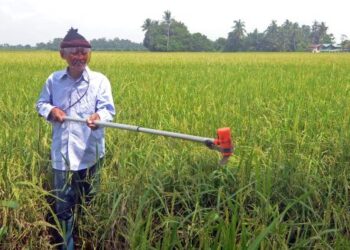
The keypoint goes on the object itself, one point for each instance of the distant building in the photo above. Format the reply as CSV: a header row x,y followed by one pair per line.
x,y
325,47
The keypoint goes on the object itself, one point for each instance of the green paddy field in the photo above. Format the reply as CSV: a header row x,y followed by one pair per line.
x,y
286,187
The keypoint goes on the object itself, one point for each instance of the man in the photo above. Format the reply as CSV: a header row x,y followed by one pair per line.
x,y
77,149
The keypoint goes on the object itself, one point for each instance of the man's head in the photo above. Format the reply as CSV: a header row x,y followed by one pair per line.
x,y
76,50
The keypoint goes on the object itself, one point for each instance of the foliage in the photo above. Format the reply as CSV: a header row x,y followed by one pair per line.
x,y
115,44
319,33
346,45
51,45
254,41
235,38
219,44
200,42
171,35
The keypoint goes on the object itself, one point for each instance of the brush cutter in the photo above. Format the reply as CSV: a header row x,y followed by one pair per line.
x,y
222,143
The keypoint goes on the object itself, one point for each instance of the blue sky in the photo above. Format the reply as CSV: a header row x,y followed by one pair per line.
x,y
33,21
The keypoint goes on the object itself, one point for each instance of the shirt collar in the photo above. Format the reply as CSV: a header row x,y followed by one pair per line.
x,y
85,75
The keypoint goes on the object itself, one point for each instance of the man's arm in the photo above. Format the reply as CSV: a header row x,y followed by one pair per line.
x,y
44,105
105,109
105,105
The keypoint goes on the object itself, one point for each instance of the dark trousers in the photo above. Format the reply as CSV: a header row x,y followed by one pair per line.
x,y
72,189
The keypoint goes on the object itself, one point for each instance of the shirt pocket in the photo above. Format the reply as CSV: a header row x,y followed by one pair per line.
x,y
86,106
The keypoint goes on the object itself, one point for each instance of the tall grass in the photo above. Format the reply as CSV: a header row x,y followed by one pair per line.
x,y
286,187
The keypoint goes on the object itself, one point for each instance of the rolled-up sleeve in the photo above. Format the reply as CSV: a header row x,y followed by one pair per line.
x,y
104,103
44,103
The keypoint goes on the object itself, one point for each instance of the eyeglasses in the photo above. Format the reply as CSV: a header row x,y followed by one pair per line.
x,y
77,50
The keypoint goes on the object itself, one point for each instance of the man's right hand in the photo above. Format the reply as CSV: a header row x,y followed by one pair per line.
x,y
57,115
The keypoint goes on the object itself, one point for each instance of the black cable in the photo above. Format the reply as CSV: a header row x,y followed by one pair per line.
x,y
88,82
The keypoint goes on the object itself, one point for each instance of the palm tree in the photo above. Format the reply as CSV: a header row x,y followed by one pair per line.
x,y
239,29
286,36
146,25
323,31
167,19
295,35
315,33
235,37
271,37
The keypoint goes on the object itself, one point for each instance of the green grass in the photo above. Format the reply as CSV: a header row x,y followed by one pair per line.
x,y
286,187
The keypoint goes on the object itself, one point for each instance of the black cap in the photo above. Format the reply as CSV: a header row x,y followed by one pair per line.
x,y
74,39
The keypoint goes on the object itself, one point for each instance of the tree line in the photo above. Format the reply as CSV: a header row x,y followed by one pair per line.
x,y
172,35
101,44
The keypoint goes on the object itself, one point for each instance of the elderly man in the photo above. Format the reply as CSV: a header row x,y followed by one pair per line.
x,y
77,149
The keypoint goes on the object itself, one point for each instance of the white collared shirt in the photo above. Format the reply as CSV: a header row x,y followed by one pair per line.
x,y
74,145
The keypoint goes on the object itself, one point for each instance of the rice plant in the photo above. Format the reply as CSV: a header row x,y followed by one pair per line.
x,y
287,187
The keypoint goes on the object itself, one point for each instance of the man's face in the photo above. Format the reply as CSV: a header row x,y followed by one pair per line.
x,y
77,58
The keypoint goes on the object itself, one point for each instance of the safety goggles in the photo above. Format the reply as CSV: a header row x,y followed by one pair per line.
x,y
77,50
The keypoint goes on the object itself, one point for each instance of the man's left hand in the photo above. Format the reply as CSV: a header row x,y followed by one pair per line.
x,y
91,121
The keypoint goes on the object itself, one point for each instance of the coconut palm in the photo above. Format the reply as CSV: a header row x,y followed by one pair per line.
x,y
235,37
146,25
167,19
239,29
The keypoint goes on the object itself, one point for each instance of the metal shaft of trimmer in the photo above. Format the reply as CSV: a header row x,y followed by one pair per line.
x,y
146,130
